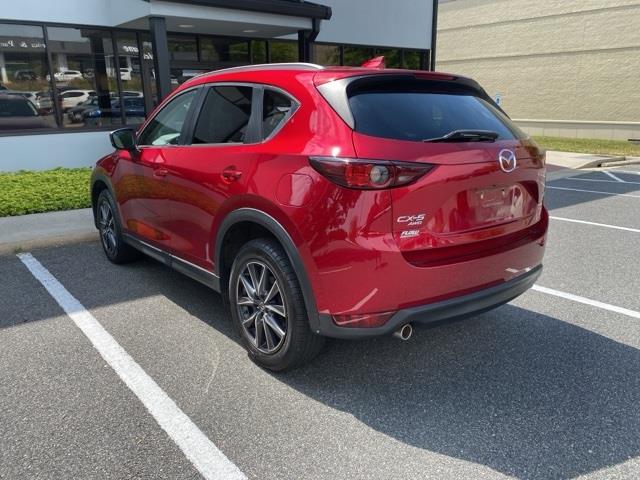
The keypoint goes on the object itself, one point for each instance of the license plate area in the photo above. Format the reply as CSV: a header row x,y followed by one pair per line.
x,y
500,203
493,197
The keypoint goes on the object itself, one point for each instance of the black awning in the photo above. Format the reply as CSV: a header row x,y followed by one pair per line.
x,y
296,8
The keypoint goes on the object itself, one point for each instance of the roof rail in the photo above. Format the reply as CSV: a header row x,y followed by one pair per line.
x,y
266,66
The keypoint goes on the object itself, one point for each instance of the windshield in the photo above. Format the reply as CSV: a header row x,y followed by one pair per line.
x,y
389,111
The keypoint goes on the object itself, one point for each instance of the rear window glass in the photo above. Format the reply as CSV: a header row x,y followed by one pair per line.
x,y
16,107
418,114
275,109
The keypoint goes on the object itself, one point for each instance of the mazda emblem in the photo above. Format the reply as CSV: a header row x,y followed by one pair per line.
x,y
507,160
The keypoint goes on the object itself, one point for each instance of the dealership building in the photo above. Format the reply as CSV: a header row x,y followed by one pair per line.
x,y
72,70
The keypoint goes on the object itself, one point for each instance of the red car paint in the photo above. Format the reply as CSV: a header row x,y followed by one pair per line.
x,y
471,225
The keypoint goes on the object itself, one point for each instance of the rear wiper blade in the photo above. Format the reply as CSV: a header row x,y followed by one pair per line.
x,y
466,136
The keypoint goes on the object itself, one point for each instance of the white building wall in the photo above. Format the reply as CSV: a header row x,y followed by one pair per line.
x,y
43,152
383,23
107,13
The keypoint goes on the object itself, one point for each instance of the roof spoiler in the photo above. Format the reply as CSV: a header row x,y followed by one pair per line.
x,y
376,62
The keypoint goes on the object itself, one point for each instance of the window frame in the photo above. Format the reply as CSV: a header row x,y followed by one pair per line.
x,y
251,127
254,129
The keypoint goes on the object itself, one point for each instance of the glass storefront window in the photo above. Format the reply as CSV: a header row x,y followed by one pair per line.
x,y
131,77
283,52
148,72
183,48
223,53
356,56
84,74
25,93
392,56
326,54
412,59
258,51
100,78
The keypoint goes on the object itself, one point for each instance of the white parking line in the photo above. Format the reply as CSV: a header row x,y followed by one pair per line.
x,y
617,179
628,172
587,301
203,454
595,224
573,179
595,191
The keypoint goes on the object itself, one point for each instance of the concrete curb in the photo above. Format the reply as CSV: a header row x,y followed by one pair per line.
x,y
620,163
53,241
601,162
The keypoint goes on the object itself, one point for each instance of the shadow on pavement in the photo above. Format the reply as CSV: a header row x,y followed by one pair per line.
x,y
523,393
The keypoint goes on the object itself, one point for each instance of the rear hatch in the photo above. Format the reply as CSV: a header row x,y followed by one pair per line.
x,y
476,199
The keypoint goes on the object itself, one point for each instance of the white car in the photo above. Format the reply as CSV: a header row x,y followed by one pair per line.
x,y
125,74
73,98
31,96
66,75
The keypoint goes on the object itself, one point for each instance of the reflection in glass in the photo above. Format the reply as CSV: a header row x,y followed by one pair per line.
x,y
258,51
183,48
283,52
412,59
25,94
392,56
326,54
356,56
84,67
131,77
224,53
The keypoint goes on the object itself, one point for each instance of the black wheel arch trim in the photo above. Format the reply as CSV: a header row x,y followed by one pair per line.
x,y
280,233
99,176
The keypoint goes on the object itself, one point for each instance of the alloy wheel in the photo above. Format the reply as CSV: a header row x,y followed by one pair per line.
x,y
106,223
261,307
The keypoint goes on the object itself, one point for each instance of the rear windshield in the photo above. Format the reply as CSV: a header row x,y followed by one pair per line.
x,y
14,107
417,113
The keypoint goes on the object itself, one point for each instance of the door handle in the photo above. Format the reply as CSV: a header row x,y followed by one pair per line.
x,y
160,172
231,174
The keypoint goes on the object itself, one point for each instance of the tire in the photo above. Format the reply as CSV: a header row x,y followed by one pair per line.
x,y
109,226
272,321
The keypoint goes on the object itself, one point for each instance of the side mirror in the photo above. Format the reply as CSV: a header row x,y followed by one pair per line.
x,y
123,139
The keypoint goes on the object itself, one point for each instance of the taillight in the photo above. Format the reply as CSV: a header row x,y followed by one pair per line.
x,y
369,174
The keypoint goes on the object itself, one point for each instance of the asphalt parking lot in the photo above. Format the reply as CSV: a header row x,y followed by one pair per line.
x,y
547,386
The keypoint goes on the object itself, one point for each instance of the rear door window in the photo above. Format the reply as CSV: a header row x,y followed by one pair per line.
x,y
414,112
225,115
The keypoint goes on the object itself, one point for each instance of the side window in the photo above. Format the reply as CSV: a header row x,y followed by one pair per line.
x,y
166,126
275,109
225,115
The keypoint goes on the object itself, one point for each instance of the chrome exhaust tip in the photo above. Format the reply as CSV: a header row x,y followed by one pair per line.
x,y
404,332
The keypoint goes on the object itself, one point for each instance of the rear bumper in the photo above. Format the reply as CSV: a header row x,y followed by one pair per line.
x,y
453,308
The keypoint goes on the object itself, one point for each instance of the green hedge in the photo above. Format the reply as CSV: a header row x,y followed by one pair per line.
x,y
588,145
32,192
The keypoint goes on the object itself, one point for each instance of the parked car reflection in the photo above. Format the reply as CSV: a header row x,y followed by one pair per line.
x,y
76,114
16,113
133,108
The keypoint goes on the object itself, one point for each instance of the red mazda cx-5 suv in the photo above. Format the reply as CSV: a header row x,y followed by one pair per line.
x,y
329,202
